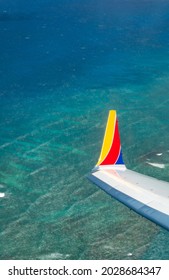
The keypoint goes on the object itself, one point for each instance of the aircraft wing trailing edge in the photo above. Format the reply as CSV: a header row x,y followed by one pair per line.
x,y
146,195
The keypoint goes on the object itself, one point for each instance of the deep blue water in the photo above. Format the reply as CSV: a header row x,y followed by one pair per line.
x,y
63,65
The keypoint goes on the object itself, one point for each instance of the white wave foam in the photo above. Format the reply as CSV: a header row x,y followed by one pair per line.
x,y
38,147
14,141
55,256
37,171
129,254
2,194
22,136
159,165
6,145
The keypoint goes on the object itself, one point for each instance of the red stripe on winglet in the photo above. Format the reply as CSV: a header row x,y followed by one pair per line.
x,y
114,151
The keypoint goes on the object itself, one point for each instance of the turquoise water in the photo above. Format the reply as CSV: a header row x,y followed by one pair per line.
x,y
62,67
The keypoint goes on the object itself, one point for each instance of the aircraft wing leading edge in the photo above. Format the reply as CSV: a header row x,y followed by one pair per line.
x,y
147,196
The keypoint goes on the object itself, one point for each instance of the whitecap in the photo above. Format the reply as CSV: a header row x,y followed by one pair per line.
x,y
2,195
37,170
6,145
55,256
159,165
129,254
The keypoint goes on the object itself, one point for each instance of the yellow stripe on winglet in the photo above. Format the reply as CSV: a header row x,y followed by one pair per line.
x,y
108,136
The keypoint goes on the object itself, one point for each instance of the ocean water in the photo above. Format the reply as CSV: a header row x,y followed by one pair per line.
x,y
63,65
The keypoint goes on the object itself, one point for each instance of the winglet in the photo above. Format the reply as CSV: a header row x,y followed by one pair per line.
x,y
111,154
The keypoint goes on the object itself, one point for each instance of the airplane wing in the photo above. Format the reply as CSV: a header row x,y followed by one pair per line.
x,y
147,196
